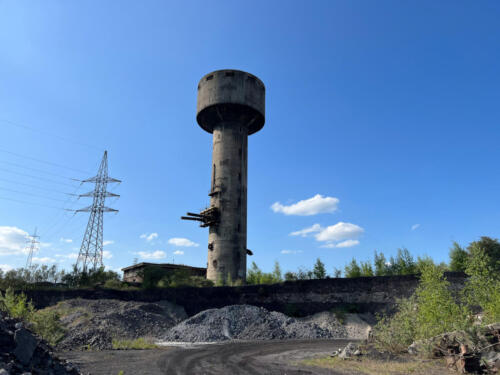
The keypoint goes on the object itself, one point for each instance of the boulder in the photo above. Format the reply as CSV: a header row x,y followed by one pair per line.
x,y
25,345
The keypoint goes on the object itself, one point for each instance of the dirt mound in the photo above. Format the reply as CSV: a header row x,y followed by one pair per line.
x,y
244,322
21,352
93,324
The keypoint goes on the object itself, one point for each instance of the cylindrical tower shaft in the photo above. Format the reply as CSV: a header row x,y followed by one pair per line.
x,y
228,240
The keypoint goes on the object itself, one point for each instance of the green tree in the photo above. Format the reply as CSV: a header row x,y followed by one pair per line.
x,y
336,272
491,248
483,285
404,264
254,274
458,258
319,270
277,277
352,269
366,269
380,264
437,312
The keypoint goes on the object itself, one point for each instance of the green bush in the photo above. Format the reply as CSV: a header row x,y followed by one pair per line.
x,y
395,333
437,311
16,305
431,310
44,323
47,325
483,285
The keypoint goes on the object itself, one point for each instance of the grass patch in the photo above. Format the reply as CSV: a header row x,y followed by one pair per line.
x,y
140,343
368,366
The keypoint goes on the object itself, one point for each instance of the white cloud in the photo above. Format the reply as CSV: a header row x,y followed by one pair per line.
x,y
106,243
67,256
415,226
178,252
338,235
13,241
107,254
66,240
340,231
44,260
6,267
158,254
182,242
347,243
312,206
149,237
304,232
291,251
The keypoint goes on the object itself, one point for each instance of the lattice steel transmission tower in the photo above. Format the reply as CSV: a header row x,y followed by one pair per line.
x,y
90,256
32,246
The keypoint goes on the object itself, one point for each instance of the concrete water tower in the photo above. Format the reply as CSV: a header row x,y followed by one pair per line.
x,y
231,106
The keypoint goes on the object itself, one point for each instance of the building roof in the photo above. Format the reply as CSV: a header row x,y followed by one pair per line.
x,y
162,265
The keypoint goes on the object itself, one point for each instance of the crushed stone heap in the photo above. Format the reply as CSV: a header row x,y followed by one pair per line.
x,y
93,324
21,352
244,322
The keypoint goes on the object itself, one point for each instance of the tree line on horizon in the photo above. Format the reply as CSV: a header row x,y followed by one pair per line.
x,y
402,264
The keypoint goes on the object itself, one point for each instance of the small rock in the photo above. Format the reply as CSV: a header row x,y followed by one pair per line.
x,y
4,372
18,325
349,351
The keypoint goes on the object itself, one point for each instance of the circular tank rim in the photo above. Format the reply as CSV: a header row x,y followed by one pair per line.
x,y
232,70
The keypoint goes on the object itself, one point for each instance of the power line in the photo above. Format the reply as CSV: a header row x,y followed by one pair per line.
x,y
42,161
35,169
33,186
66,139
31,203
37,177
31,194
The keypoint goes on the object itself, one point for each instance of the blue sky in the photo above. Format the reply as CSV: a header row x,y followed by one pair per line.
x,y
388,110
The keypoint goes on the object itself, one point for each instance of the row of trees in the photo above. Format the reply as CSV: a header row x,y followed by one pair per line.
x,y
42,275
401,264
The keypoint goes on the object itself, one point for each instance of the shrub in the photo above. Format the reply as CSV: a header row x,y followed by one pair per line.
x,y
47,325
483,286
396,333
437,311
16,306
44,323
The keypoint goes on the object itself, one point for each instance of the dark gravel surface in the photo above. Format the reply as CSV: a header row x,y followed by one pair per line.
x,y
232,358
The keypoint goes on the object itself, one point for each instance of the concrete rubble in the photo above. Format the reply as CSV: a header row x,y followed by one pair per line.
x,y
465,353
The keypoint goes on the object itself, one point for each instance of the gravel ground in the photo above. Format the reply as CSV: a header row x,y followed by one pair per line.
x,y
93,324
244,322
235,358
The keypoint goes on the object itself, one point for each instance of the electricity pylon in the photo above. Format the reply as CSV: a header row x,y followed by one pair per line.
x,y
90,256
33,246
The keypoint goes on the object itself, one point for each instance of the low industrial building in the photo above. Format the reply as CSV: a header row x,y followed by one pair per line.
x,y
133,274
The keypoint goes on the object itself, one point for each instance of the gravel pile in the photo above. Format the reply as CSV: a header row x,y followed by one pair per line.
x,y
244,322
93,324
21,352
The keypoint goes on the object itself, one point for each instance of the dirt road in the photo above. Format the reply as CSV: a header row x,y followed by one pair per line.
x,y
241,358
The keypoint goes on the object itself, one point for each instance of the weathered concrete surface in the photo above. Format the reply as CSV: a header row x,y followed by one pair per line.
x,y
299,298
231,105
